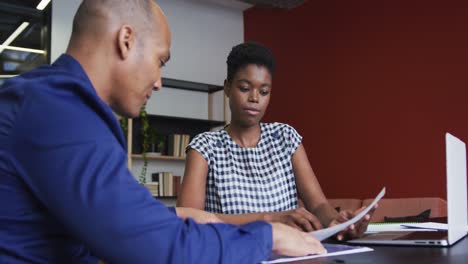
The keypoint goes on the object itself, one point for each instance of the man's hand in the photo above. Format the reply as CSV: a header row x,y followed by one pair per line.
x,y
199,216
299,218
288,241
356,230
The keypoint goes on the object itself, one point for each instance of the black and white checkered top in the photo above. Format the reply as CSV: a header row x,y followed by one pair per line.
x,y
246,180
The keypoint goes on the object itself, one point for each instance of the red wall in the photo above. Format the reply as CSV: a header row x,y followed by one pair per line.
x,y
372,86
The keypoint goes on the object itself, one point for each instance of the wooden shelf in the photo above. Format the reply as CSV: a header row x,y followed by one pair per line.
x,y
169,125
184,120
191,86
156,157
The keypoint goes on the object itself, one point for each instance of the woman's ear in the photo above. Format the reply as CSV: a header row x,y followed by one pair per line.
x,y
227,88
125,41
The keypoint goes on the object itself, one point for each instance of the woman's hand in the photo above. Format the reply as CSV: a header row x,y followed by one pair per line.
x,y
298,218
199,216
355,230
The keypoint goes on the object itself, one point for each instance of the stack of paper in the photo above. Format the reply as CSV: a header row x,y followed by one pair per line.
x,y
389,227
429,225
332,250
426,226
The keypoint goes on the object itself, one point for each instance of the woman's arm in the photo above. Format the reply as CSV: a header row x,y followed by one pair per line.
x,y
309,188
193,187
315,201
193,195
298,218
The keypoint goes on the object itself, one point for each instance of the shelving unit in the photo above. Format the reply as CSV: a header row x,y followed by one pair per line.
x,y
190,86
150,156
169,125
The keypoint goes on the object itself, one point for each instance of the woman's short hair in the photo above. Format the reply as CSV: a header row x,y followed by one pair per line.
x,y
249,53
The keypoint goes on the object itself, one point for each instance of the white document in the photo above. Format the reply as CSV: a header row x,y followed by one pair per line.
x,y
330,231
385,227
332,250
391,227
427,225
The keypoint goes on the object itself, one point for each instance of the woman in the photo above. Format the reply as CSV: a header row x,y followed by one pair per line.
x,y
251,170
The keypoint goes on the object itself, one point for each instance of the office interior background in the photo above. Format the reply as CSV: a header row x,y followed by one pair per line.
x,y
372,86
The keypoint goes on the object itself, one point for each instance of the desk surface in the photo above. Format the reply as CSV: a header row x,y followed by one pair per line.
x,y
455,254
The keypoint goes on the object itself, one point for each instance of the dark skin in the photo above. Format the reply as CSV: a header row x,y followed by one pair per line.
x,y
249,95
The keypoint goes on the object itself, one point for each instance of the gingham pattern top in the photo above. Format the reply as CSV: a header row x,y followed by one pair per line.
x,y
246,180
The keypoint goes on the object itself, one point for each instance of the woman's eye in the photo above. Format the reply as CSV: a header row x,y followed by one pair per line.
x,y
264,92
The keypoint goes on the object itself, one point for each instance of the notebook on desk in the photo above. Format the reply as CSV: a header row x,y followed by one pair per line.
x,y
456,207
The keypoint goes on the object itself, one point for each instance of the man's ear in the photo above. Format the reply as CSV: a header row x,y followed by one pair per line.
x,y
125,41
227,88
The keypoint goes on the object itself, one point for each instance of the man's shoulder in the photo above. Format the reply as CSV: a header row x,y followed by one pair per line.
x,y
56,105
44,85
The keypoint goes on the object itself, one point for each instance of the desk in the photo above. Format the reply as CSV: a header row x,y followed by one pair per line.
x,y
456,254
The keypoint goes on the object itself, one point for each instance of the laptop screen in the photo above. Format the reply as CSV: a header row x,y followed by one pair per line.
x,y
456,188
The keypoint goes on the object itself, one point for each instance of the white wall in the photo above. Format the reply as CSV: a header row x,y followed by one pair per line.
x,y
202,36
181,103
203,33
63,12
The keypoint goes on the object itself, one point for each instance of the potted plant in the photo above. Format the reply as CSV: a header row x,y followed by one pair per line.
x,y
151,142
145,140
145,127
155,142
124,125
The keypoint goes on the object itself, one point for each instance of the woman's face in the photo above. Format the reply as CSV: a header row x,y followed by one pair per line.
x,y
249,94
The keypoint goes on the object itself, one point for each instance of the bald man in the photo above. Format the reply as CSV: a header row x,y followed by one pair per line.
x,y
66,195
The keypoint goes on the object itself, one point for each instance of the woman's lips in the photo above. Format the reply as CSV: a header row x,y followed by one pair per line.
x,y
252,111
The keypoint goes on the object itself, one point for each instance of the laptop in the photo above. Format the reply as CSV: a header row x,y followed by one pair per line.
x,y
456,207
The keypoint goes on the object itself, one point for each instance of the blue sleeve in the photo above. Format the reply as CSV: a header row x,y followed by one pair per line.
x,y
172,209
85,184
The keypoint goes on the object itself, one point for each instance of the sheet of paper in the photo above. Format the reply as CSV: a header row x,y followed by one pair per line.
x,y
330,231
390,227
385,227
427,225
332,250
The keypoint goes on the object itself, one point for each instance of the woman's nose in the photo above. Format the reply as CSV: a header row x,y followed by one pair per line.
x,y
253,96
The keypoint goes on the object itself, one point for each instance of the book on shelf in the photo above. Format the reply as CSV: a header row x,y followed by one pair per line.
x,y
168,185
176,185
161,183
176,144
185,140
153,187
